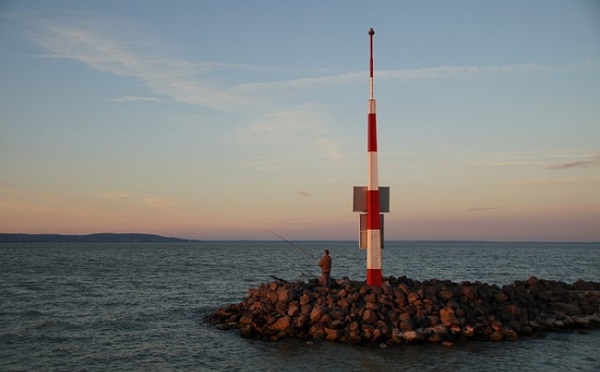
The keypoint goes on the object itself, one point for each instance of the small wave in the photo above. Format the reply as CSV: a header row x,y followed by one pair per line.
x,y
30,313
46,324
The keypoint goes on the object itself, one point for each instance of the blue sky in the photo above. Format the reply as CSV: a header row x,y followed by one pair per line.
x,y
216,120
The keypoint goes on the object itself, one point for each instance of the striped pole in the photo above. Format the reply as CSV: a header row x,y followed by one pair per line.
x,y
373,222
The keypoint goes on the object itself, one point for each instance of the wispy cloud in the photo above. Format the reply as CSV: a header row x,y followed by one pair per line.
x,y
291,220
351,78
304,193
535,182
482,209
135,99
140,198
594,161
447,72
120,47
303,128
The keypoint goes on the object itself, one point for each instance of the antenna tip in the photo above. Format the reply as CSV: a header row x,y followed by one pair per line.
x,y
371,32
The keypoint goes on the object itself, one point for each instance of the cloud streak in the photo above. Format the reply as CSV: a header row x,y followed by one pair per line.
x,y
594,161
135,99
482,209
141,199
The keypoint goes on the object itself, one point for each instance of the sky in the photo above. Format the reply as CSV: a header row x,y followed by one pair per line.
x,y
221,119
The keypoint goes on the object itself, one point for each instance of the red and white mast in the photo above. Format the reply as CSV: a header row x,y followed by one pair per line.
x,y
373,220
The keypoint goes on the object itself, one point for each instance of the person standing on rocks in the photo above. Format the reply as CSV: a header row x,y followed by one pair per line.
x,y
325,265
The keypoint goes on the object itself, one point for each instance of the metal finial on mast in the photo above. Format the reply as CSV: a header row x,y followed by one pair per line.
x,y
371,33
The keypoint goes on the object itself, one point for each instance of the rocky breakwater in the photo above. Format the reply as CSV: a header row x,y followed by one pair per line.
x,y
411,311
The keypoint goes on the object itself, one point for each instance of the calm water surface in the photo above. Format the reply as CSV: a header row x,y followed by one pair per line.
x,y
140,306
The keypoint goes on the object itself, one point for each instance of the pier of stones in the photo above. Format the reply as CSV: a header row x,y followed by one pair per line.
x,y
405,311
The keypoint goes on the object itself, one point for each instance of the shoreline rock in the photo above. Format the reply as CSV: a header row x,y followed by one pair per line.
x,y
406,311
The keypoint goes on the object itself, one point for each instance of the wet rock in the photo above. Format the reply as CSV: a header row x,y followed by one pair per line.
x,y
567,309
497,336
468,331
317,312
447,317
594,321
305,299
332,334
412,336
282,324
369,316
582,321
532,281
396,336
293,309
510,335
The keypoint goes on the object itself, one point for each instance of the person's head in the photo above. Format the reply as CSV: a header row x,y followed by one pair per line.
x,y
327,252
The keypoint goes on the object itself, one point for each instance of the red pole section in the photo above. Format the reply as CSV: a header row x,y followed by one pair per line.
x,y
374,274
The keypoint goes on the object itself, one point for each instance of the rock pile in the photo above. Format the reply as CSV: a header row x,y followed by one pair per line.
x,y
410,311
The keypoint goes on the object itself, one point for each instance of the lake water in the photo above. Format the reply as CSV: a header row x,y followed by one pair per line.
x,y
127,306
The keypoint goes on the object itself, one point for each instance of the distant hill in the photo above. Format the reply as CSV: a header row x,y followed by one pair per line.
x,y
91,238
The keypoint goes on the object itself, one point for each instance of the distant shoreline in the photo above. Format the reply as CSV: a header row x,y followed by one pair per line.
x,y
90,238
154,238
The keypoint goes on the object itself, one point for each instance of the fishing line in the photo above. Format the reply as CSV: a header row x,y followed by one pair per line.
x,y
293,245
296,265
300,249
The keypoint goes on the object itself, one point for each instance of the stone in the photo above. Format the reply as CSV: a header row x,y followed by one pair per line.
x,y
305,299
468,331
501,297
447,317
301,321
332,334
316,313
226,326
412,336
406,325
245,320
532,281
354,326
496,336
496,325
336,324
272,296
247,331
445,294
567,309
412,297
369,316
285,295
293,309
371,297
318,334
282,324
510,335
396,336
354,337
433,320
372,306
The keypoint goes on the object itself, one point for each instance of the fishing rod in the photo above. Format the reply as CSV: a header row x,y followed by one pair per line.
x,y
304,269
293,245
